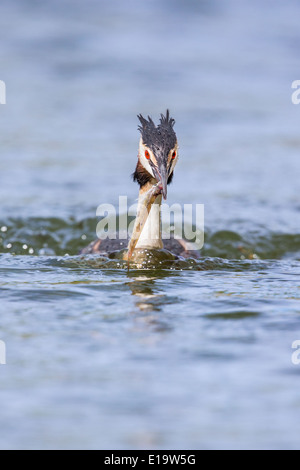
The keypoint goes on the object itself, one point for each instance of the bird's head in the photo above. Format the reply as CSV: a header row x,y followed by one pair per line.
x,y
158,152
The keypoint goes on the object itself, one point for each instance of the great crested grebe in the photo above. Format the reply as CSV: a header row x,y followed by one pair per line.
x,y
157,158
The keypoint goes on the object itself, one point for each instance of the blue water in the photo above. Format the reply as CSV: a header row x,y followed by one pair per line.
x,y
191,355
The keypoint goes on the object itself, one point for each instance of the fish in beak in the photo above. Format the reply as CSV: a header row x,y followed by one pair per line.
x,y
161,175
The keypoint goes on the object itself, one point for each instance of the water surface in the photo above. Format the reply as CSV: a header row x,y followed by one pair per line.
x,y
187,354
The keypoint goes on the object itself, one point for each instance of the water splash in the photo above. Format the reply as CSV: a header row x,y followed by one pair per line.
x,y
58,237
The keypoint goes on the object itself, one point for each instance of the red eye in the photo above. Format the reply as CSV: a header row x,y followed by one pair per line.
x,y
174,155
147,155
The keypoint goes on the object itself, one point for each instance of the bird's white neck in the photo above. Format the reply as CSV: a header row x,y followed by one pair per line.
x,y
151,233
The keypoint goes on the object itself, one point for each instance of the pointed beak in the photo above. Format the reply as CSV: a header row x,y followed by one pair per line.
x,y
161,175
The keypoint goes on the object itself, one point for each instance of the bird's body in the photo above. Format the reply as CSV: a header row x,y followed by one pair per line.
x,y
157,158
105,247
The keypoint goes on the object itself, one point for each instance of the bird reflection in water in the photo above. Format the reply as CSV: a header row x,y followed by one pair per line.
x,y
150,299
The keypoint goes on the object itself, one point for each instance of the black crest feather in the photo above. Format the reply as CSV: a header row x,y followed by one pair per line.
x,y
166,120
158,137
